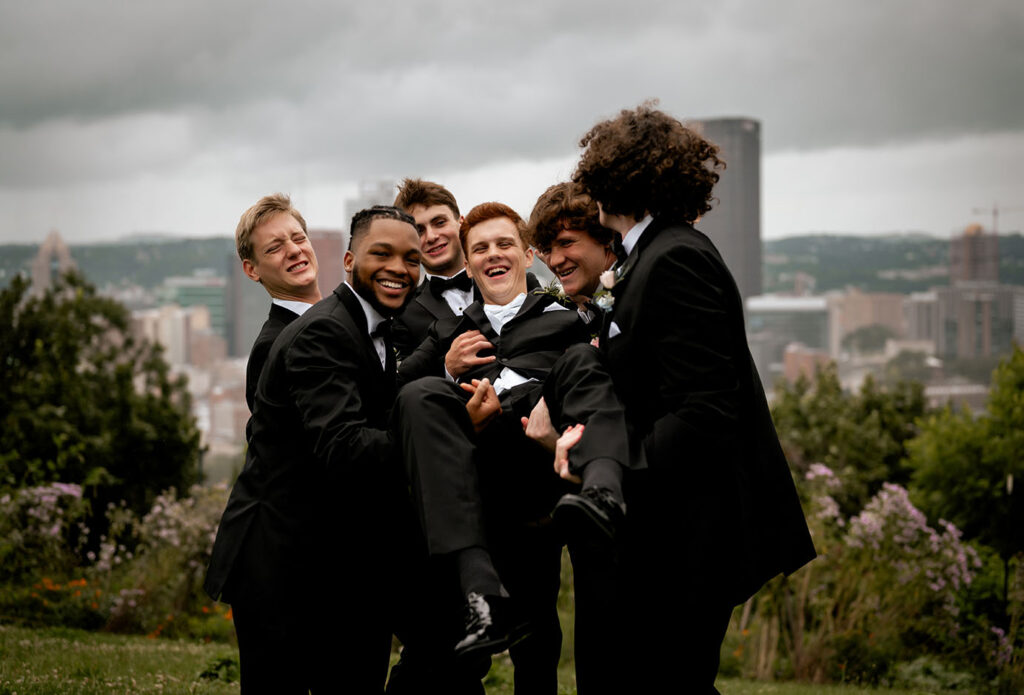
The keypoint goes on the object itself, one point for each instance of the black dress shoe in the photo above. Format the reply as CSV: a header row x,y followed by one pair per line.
x,y
594,515
490,626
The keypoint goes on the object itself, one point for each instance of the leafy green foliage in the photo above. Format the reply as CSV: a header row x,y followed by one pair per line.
x,y
84,402
969,469
861,437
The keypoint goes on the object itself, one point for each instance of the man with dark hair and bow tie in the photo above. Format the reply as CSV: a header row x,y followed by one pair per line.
x,y
446,290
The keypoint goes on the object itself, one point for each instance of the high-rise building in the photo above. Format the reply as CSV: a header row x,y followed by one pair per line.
x,y
329,246
734,223
974,256
370,193
248,306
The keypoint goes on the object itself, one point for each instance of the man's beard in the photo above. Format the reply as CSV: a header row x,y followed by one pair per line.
x,y
366,291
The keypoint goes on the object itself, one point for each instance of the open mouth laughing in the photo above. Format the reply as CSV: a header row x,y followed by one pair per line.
x,y
496,271
298,267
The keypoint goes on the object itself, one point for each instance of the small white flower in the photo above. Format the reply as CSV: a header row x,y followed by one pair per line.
x,y
605,302
608,279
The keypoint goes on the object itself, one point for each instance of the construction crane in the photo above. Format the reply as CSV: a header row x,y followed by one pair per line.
x,y
995,210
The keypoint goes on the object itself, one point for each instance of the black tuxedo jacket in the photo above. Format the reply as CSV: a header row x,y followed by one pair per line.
x,y
279,318
717,488
413,324
530,342
318,485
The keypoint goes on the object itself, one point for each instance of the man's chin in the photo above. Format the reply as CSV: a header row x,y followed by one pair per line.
x,y
387,306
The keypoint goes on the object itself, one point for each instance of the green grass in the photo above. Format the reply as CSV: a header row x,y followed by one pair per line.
x,y
55,660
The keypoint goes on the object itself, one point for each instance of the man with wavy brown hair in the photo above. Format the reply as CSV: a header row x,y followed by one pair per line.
x,y
446,290
716,495
565,229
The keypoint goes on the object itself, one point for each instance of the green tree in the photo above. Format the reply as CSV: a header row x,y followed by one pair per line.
x,y
860,436
84,402
968,470
868,338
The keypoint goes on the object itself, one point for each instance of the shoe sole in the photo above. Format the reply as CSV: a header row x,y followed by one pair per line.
x,y
578,520
495,646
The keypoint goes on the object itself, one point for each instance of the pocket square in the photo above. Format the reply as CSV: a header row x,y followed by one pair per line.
x,y
613,330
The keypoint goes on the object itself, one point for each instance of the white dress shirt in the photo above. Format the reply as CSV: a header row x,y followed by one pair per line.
x,y
292,306
457,299
373,319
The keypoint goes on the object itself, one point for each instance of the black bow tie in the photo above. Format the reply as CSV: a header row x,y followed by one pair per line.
x,y
383,330
618,249
439,284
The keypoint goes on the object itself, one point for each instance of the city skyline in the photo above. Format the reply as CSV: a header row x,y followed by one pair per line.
x,y
876,117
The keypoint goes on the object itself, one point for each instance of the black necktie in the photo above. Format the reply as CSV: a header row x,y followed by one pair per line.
x,y
439,284
618,249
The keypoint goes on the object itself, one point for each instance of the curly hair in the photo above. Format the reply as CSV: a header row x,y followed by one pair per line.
x,y
265,208
414,192
646,161
490,211
564,206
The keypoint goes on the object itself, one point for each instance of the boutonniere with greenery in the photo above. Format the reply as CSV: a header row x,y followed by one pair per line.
x,y
555,290
603,298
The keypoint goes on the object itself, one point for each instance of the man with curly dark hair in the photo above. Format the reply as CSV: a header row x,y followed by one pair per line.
x,y
713,513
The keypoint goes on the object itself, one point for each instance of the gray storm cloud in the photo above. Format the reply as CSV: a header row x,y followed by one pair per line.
x,y
109,89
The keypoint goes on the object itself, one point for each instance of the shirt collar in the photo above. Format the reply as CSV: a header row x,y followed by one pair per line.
x,y
373,317
292,306
633,235
445,277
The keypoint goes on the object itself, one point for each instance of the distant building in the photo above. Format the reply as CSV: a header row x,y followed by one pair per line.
x,y
853,309
921,317
184,332
798,360
976,319
974,256
776,321
329,246
53,260
248,307
370,193
734,223
204,287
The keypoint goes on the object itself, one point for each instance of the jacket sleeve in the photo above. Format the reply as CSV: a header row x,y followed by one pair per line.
x,y
693,350
426,360
323,366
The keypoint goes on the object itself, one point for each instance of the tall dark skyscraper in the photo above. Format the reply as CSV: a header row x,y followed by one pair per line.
x,y
734,223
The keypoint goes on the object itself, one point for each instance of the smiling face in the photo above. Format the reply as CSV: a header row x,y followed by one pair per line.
x,y
496,260
577,260
283,260
383,265
438,228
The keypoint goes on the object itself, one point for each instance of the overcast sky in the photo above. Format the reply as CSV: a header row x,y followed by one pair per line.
x,y
126,117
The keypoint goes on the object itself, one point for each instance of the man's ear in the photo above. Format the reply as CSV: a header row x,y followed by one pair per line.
x,y
249,268
465,262
529,257
349,261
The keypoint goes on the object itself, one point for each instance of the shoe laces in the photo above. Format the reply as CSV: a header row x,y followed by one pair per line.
x,y
479,610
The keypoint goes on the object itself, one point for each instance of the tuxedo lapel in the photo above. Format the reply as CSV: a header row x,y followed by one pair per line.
x,y
475,312
355,310
437,307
